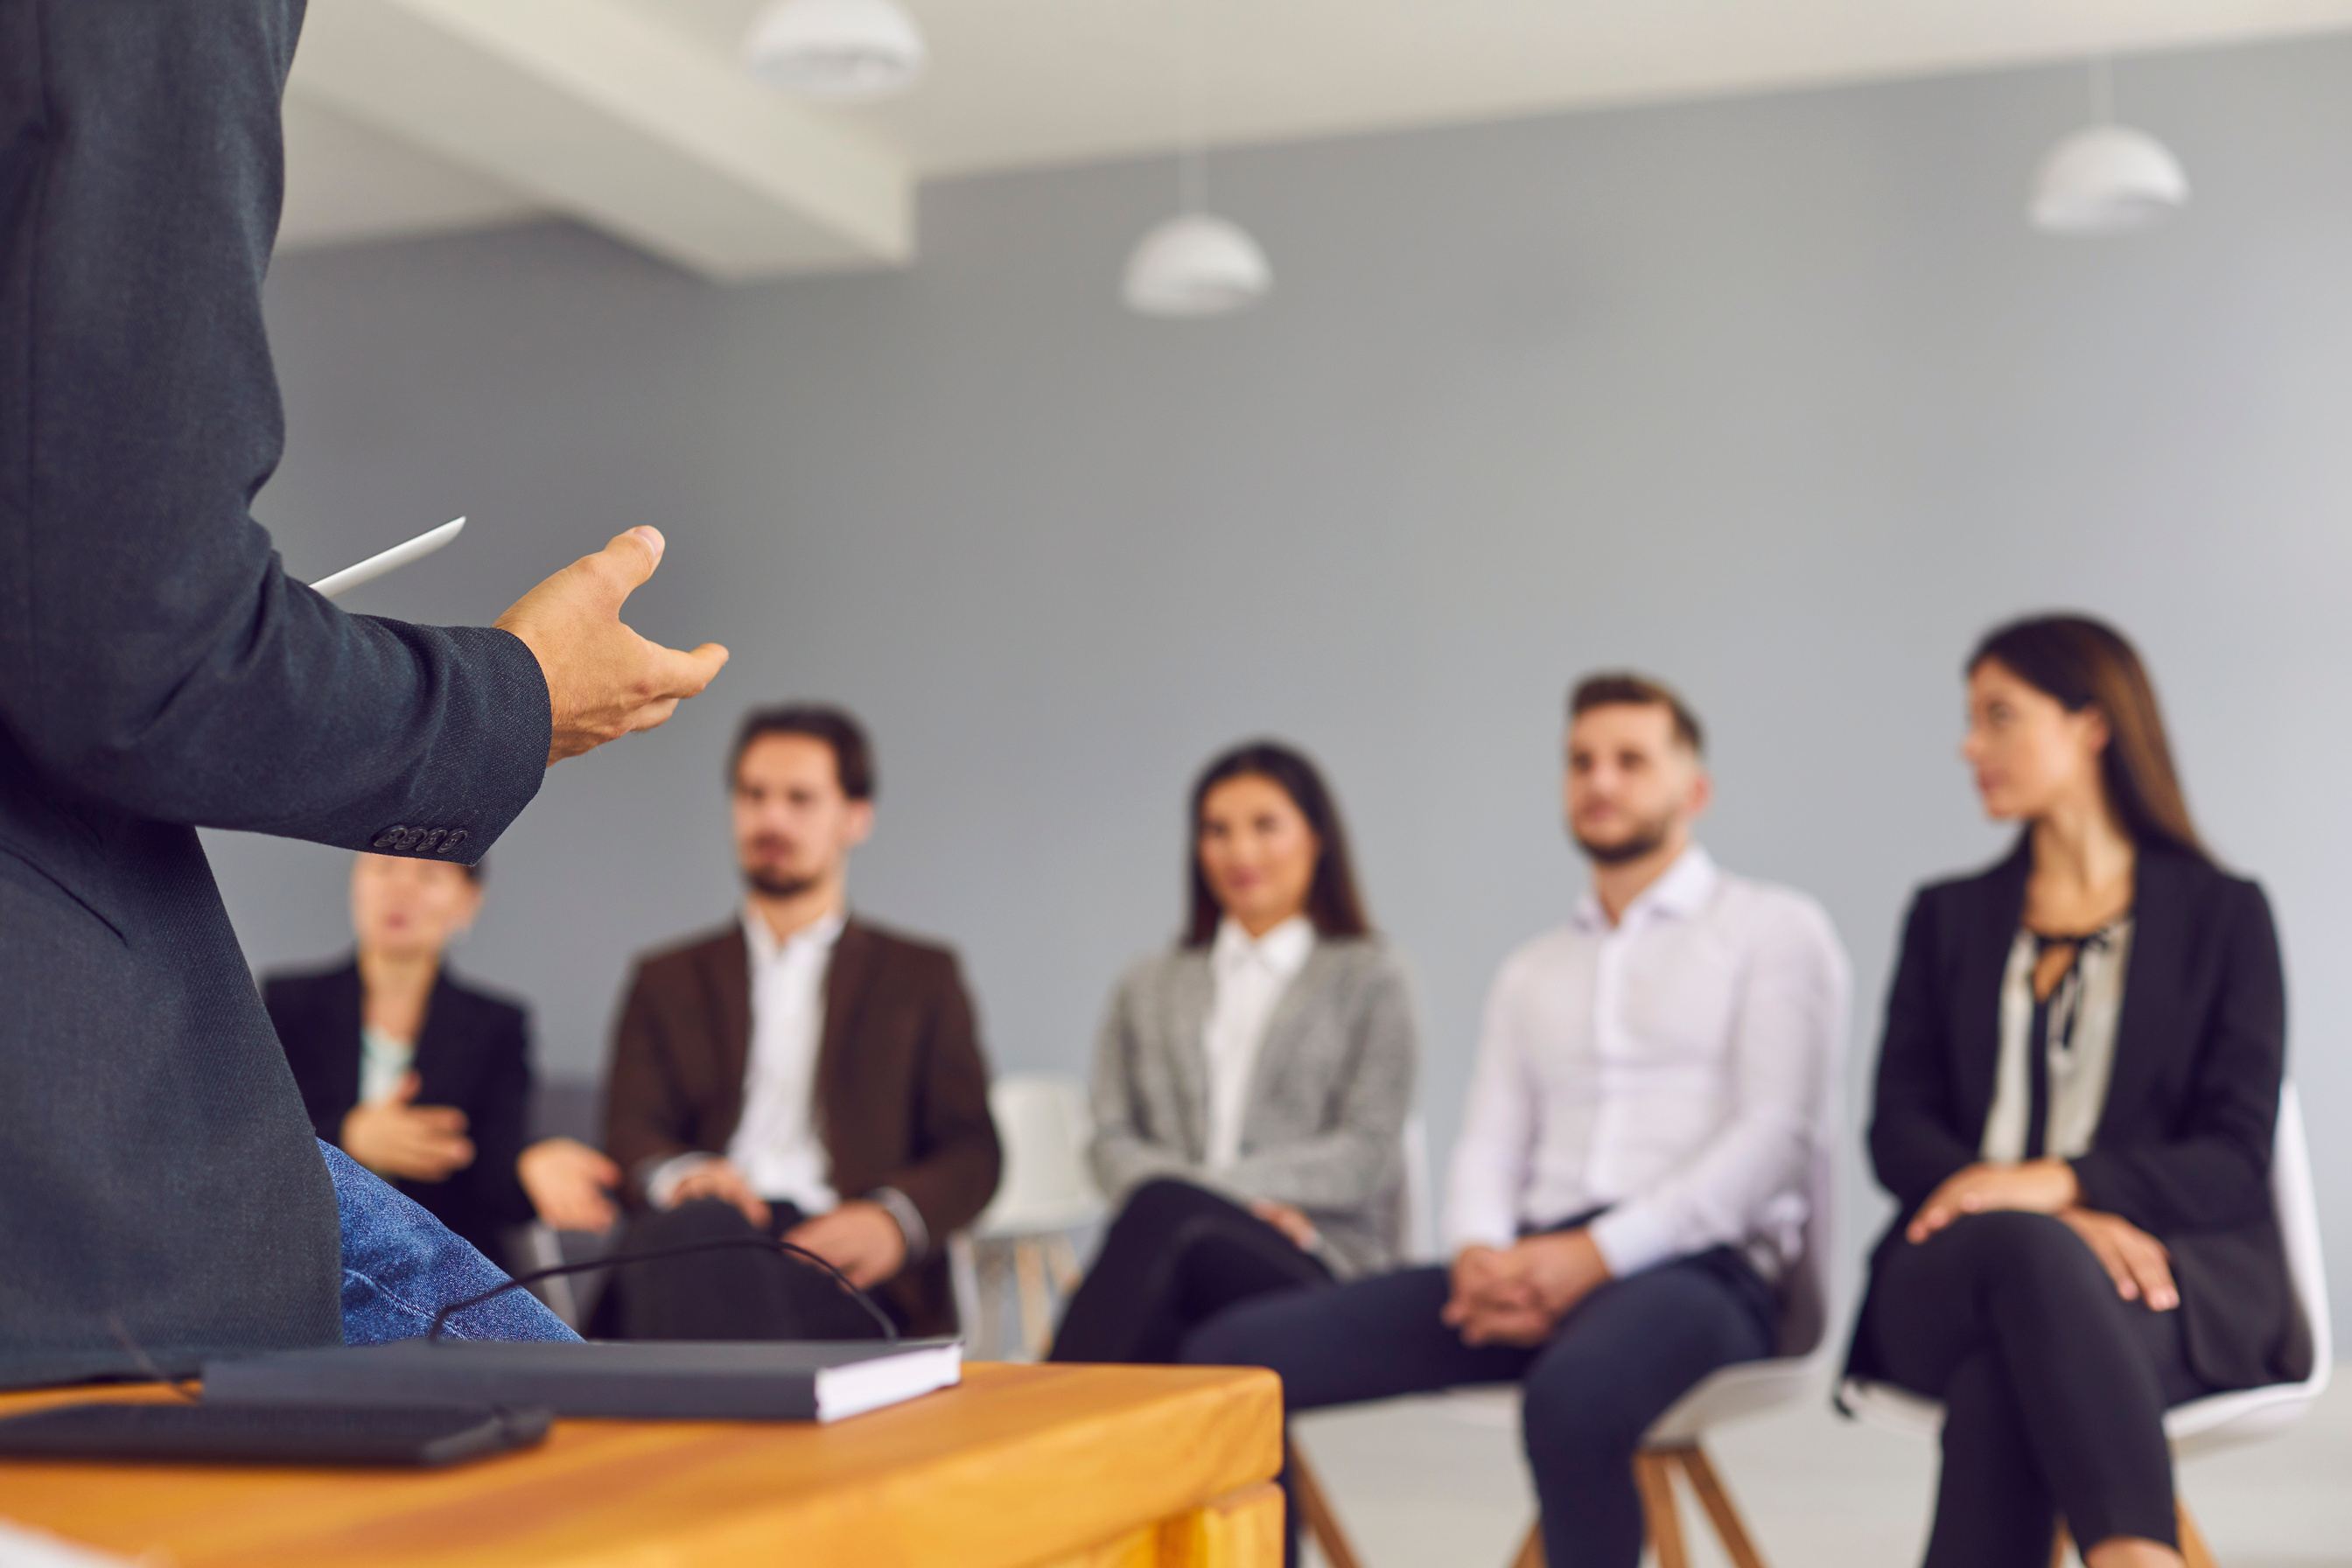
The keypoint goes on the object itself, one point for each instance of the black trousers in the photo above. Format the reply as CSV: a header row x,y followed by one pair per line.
x,y
2053,1386
742,1293
1176,1256
1612,1367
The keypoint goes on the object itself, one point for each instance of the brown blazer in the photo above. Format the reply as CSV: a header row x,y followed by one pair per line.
x,y
902,1087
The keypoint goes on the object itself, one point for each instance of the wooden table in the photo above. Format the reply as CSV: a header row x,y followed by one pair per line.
x,y
1021,1467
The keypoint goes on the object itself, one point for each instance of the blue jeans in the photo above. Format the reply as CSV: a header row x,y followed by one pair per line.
x,y
1613,1366
401,1266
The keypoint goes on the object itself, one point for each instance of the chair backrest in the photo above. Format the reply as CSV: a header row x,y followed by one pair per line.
x,y
1413,1204
567,1108
2298,1220
1044,1124
1805,1293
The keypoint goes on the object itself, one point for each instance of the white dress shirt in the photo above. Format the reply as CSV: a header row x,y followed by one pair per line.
x,y
1250,976
2079,1052
1675,1069
776,1144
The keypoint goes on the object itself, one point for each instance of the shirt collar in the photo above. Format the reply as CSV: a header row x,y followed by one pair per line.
x,y
766,949
1283,950
1686,889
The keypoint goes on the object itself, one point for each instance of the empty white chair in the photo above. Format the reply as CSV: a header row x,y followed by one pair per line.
x,y
2219,1420
1045,1196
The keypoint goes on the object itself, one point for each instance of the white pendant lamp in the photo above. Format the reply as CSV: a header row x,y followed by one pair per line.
x,y
838,49
2108,179
1196,264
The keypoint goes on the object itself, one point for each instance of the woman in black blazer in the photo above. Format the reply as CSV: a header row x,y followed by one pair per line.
x,y
2077,1096
423,1081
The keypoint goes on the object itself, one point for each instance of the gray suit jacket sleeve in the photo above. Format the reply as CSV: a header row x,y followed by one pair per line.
x,y
1127,1151
153,656
1348,1167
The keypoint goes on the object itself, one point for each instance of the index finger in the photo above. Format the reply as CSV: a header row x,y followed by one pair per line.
x,y
676,675
2153,1271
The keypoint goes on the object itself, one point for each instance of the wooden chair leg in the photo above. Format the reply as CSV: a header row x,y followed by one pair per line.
x,y
1654,1473
2193,1549
1037,1305
1316,1513
1531,1552
1729,1528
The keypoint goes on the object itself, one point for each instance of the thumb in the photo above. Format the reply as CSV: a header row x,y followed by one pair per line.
x,y
630,558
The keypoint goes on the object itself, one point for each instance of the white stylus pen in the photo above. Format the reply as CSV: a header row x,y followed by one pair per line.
x,y
399,555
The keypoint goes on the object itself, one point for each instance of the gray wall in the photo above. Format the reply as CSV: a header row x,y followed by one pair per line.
x,y
1777,396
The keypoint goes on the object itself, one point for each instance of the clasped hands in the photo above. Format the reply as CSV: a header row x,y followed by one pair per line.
x,y
859,1237
2140,1266
1517,1295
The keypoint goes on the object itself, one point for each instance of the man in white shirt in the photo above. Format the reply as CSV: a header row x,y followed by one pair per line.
x,y
1629,1181
800,1074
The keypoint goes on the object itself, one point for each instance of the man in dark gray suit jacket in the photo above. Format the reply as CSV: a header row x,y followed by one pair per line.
x,y
158,671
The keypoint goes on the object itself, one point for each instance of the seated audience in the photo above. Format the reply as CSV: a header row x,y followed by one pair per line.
x,y
2076,1102
422,1080
1250,1086
798,1074
1629,1186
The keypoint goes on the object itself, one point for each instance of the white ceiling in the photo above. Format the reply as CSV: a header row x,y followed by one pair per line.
x,y
1017,83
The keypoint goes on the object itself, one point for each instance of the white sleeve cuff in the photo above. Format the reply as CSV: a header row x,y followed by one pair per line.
x,y
1631,1237
661,1182
909,1218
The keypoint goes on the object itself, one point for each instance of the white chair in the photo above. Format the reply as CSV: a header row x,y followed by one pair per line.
x,y
1044,1196
2221,1420
1799,1372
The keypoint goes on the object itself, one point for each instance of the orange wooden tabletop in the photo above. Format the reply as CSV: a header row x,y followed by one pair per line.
x,y
1020,1465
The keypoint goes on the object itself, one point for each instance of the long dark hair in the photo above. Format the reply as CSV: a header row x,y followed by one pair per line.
x,y
2086,663
1331,899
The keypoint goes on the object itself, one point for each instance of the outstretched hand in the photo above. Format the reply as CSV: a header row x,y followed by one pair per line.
x,y
603,680
570,1184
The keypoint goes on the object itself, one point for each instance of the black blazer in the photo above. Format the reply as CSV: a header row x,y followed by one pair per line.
x,y
2183,1148
159,672
473,1053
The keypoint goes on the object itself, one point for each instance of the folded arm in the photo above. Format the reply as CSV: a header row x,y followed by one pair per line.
x,y
954,1172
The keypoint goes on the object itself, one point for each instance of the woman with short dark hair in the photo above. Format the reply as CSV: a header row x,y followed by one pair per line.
x,y
2077,1096
1251,1085
421,1078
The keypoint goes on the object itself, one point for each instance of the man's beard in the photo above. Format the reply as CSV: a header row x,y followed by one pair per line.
x,y
1645,839
770,885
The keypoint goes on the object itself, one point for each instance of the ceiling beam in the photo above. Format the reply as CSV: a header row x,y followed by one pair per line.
x,y
608,116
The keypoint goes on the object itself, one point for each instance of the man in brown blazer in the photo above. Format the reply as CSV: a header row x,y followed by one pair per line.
x,y
799,1074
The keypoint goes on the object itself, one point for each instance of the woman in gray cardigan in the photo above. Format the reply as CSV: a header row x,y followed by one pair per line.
x,y
1250,1086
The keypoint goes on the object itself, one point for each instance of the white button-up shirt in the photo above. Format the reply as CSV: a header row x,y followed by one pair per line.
x,y
1675,1069
1250,976
776,1145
